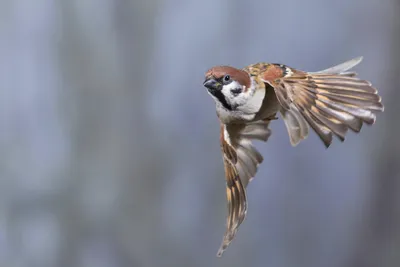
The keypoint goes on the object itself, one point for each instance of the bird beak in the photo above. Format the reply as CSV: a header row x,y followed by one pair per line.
x,y
212,85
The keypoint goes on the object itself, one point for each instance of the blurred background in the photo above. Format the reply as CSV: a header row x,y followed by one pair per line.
x,y
109,143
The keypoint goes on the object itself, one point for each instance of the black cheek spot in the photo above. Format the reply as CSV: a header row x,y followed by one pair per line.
x,y
236,91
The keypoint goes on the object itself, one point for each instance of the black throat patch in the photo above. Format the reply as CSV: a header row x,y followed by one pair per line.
x,y
221,98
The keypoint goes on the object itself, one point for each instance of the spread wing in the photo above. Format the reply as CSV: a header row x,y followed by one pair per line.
x,y
329,101
241,161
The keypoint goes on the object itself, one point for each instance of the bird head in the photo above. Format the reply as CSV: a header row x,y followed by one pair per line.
x,y
227,85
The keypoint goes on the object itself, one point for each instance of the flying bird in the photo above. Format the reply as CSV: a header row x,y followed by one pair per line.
x,y
330,102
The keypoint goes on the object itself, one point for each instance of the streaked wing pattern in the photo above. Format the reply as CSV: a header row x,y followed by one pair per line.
x,y
331,101
241,161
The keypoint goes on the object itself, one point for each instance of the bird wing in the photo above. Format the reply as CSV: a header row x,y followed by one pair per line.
x,y
330,101
241,161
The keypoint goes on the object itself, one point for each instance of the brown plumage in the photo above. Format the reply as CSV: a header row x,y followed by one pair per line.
x,y
330,102
236,74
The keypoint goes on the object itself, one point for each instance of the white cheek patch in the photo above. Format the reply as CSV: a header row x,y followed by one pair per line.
x,y
235,100
248,102
226,91
254,102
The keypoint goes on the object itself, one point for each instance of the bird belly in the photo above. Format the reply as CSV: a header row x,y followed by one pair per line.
x,y
233,116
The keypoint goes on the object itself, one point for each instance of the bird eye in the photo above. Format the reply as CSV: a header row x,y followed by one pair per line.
x,y
227,78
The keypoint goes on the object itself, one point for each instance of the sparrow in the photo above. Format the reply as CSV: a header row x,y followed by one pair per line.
x,y
330,102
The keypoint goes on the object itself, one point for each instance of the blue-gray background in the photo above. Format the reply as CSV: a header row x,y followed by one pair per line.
x,y
109,143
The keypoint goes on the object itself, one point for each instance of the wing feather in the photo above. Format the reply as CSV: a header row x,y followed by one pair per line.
x,y
331,101
295,124
343,67
241,160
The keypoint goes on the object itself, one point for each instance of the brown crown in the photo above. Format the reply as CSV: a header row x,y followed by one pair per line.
x,y
236,74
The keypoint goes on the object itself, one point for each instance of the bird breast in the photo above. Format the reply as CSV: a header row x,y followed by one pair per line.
x,y
250,101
